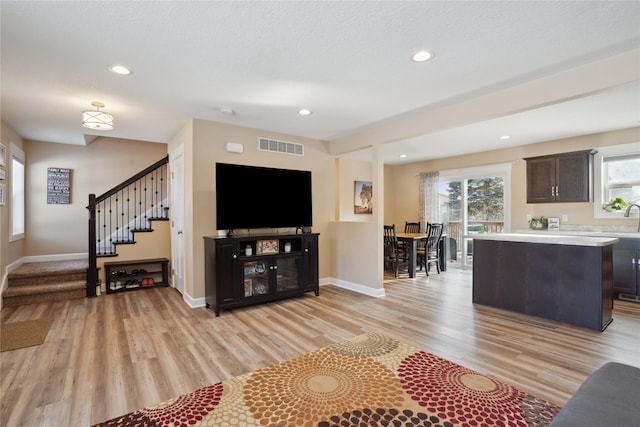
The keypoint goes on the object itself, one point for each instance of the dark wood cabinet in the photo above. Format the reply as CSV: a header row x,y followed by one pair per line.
x,y
566,283
241,271
626,274
566,177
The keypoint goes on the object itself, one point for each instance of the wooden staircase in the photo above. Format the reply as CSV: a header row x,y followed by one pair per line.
x,y
36,282
118,214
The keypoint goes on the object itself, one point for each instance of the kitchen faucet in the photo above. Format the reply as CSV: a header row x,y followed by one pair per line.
x,y
626,213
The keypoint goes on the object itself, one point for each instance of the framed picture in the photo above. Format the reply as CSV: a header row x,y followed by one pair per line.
x,y
363,197
58,186
264,247
3,155
3,174
2,191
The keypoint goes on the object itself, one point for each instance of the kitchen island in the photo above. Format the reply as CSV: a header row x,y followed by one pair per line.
x,y
568,279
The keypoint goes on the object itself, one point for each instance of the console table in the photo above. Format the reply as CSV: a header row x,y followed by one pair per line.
x,y
241,271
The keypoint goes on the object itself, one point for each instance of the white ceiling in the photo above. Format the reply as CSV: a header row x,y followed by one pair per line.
x,y
347,61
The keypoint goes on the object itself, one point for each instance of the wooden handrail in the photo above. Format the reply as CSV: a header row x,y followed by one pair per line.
x,y
134,178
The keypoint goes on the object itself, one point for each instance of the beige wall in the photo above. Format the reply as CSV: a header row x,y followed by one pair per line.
x,y
354,239
402,181
349,171
209,140
10,252
62,229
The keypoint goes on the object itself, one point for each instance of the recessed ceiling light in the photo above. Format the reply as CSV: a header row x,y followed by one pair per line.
x,y
304,112
505,137
120,69
228,111
402,156
422,56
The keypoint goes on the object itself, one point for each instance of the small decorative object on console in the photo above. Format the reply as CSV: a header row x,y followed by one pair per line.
x,y
538,223
264,247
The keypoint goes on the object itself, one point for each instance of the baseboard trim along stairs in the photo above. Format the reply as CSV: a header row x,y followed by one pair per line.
x,y
35,282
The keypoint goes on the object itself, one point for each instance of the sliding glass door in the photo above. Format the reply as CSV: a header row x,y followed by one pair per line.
x,y
472,201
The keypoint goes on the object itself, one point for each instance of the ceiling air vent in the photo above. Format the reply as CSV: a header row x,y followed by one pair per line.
x,y
276,146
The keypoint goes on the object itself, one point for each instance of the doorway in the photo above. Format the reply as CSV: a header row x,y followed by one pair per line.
x,y
473,201
176,164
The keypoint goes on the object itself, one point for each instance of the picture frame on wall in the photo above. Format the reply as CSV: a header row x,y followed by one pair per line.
x,y
2,192
3,155
3,174
363,197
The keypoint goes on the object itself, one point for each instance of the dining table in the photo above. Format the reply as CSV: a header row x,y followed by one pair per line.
x,y
411,241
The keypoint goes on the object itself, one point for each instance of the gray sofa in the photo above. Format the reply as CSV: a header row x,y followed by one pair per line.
x,y
609,397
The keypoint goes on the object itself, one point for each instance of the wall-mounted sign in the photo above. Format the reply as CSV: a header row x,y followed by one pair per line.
x,y
58,186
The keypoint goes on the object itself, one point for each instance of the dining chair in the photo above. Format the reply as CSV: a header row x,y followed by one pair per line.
x,y
431,253
409,227
393,256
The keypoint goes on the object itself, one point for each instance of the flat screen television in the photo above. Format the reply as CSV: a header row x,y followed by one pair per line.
x,y
249,197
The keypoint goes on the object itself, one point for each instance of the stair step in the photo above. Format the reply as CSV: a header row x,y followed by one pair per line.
x,y
39,273
33,294
45,288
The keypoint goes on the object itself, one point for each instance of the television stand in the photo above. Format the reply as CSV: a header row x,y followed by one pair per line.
x,y
241,271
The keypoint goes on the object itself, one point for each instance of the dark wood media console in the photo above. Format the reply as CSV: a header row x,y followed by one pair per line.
x,y
241,271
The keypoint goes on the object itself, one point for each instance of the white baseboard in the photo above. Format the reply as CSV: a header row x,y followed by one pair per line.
x,y
194,302
361,289
57,257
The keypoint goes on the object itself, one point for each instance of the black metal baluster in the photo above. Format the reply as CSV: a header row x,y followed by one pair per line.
x,y
152,200
135,205
146,220
110,225
128,216
162,209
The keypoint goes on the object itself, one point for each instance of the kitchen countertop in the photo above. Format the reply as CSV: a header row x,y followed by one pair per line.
x,y
553,239
618,234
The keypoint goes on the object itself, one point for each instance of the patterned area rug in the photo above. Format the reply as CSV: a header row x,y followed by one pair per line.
x,y
370,380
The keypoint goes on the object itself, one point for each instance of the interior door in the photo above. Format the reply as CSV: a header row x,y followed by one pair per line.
x,y
176,165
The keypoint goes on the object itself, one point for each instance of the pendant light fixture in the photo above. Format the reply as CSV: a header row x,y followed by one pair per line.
x,y
96,119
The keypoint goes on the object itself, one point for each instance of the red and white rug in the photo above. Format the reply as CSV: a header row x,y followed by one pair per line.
x,y
369,380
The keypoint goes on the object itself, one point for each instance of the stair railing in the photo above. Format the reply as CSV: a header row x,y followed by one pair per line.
x,y
127,208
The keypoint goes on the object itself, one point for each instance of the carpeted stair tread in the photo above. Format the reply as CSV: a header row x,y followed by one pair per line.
x,y
33,269
44,289
39,273
38,298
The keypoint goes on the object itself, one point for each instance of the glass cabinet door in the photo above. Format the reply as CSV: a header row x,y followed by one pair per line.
x,y
287,272
256,278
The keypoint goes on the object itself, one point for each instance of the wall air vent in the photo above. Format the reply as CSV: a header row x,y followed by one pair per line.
x,y
276,146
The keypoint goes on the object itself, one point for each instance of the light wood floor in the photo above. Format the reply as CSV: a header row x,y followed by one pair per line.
x,y
113,354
